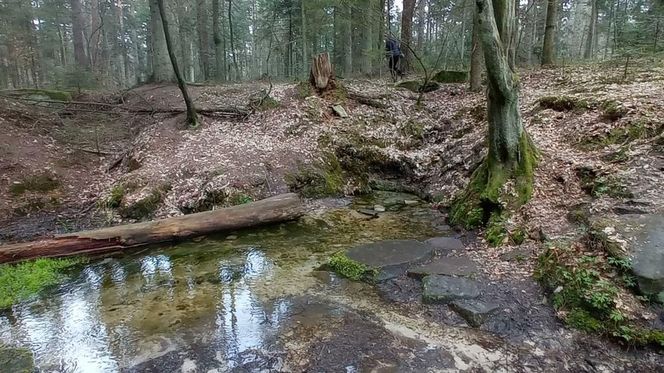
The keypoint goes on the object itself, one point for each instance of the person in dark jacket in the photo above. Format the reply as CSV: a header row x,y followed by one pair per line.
x,y
394,57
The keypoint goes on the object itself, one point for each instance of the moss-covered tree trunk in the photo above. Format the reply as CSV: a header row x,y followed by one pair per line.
x,y
511,155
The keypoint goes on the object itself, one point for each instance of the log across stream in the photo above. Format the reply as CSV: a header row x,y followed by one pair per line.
x,y
271,210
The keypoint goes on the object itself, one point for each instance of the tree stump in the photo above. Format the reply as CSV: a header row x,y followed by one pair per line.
x,y
321,74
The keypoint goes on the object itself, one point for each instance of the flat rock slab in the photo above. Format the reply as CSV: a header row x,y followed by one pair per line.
x,y
648,247
473,311
444,289
446,266
391,258
445,243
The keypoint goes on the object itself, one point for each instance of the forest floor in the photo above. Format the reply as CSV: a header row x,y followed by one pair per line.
x,y
599,133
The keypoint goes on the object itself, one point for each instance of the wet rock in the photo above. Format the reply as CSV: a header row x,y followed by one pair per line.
x,y
445,266
445,243
648,247
391,258
411,202
517,255
445,289
474,312
379,208
368,212
16,360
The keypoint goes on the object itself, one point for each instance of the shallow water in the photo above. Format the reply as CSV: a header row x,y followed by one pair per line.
x,y
223,303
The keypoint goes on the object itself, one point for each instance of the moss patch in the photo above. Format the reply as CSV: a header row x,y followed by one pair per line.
x,y
449,76
612,110
49,93
348,268
21,281
518,235
583,288
145,207
563,103
485,195
495,232
40,183
321,180
602,185
304,90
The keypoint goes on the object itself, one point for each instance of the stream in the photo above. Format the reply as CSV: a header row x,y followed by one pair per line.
x,y
256,301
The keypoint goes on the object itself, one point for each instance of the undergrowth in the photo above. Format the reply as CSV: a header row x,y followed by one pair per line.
x,y
40,183
585,288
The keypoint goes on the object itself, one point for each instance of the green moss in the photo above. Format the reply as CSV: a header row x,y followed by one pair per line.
x,y
563,103
348,268
585,289
448,76
40,183
518,235
484,194
322,180
495,232
602,185
145,207
114,199
21,281
304,90
51,94
240,199
612,110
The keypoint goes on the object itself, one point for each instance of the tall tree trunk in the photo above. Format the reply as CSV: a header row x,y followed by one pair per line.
x,y
162,70
421,12
511,155
366,39
192,118
203,38
218,44
230,28
407,29
592,29
77,33
184,33
476,58
305,53
348,42
338,50
549,48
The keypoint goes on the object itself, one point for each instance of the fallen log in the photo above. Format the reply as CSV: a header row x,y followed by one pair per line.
x,y
276,209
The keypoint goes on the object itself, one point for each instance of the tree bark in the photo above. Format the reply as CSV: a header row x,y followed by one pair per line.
x,y
592,29
305,53
203,38
232,42
77,33
321,74
272,210
219,51
366,39
407,29
162,70
192,118
476,58
549,47
511,155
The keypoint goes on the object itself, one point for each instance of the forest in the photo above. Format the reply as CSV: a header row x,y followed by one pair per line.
x,y
119,44
331,186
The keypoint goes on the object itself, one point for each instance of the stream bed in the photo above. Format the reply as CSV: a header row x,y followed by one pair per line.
x,y
256,301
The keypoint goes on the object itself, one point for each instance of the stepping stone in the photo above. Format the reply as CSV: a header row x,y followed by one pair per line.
x,y
379,208
445,289
391,258
648,244
445,266
368,212
445,243
473,311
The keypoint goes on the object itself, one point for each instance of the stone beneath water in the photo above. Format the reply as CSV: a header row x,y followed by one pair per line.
x,y
445,243
474,312
16,360
391,258
379,208
446,266
444,289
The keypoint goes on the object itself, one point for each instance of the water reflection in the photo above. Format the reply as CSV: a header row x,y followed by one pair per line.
x,y
202,301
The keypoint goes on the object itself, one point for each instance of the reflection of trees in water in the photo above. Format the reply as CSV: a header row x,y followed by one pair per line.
x,y
65,331
243,323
